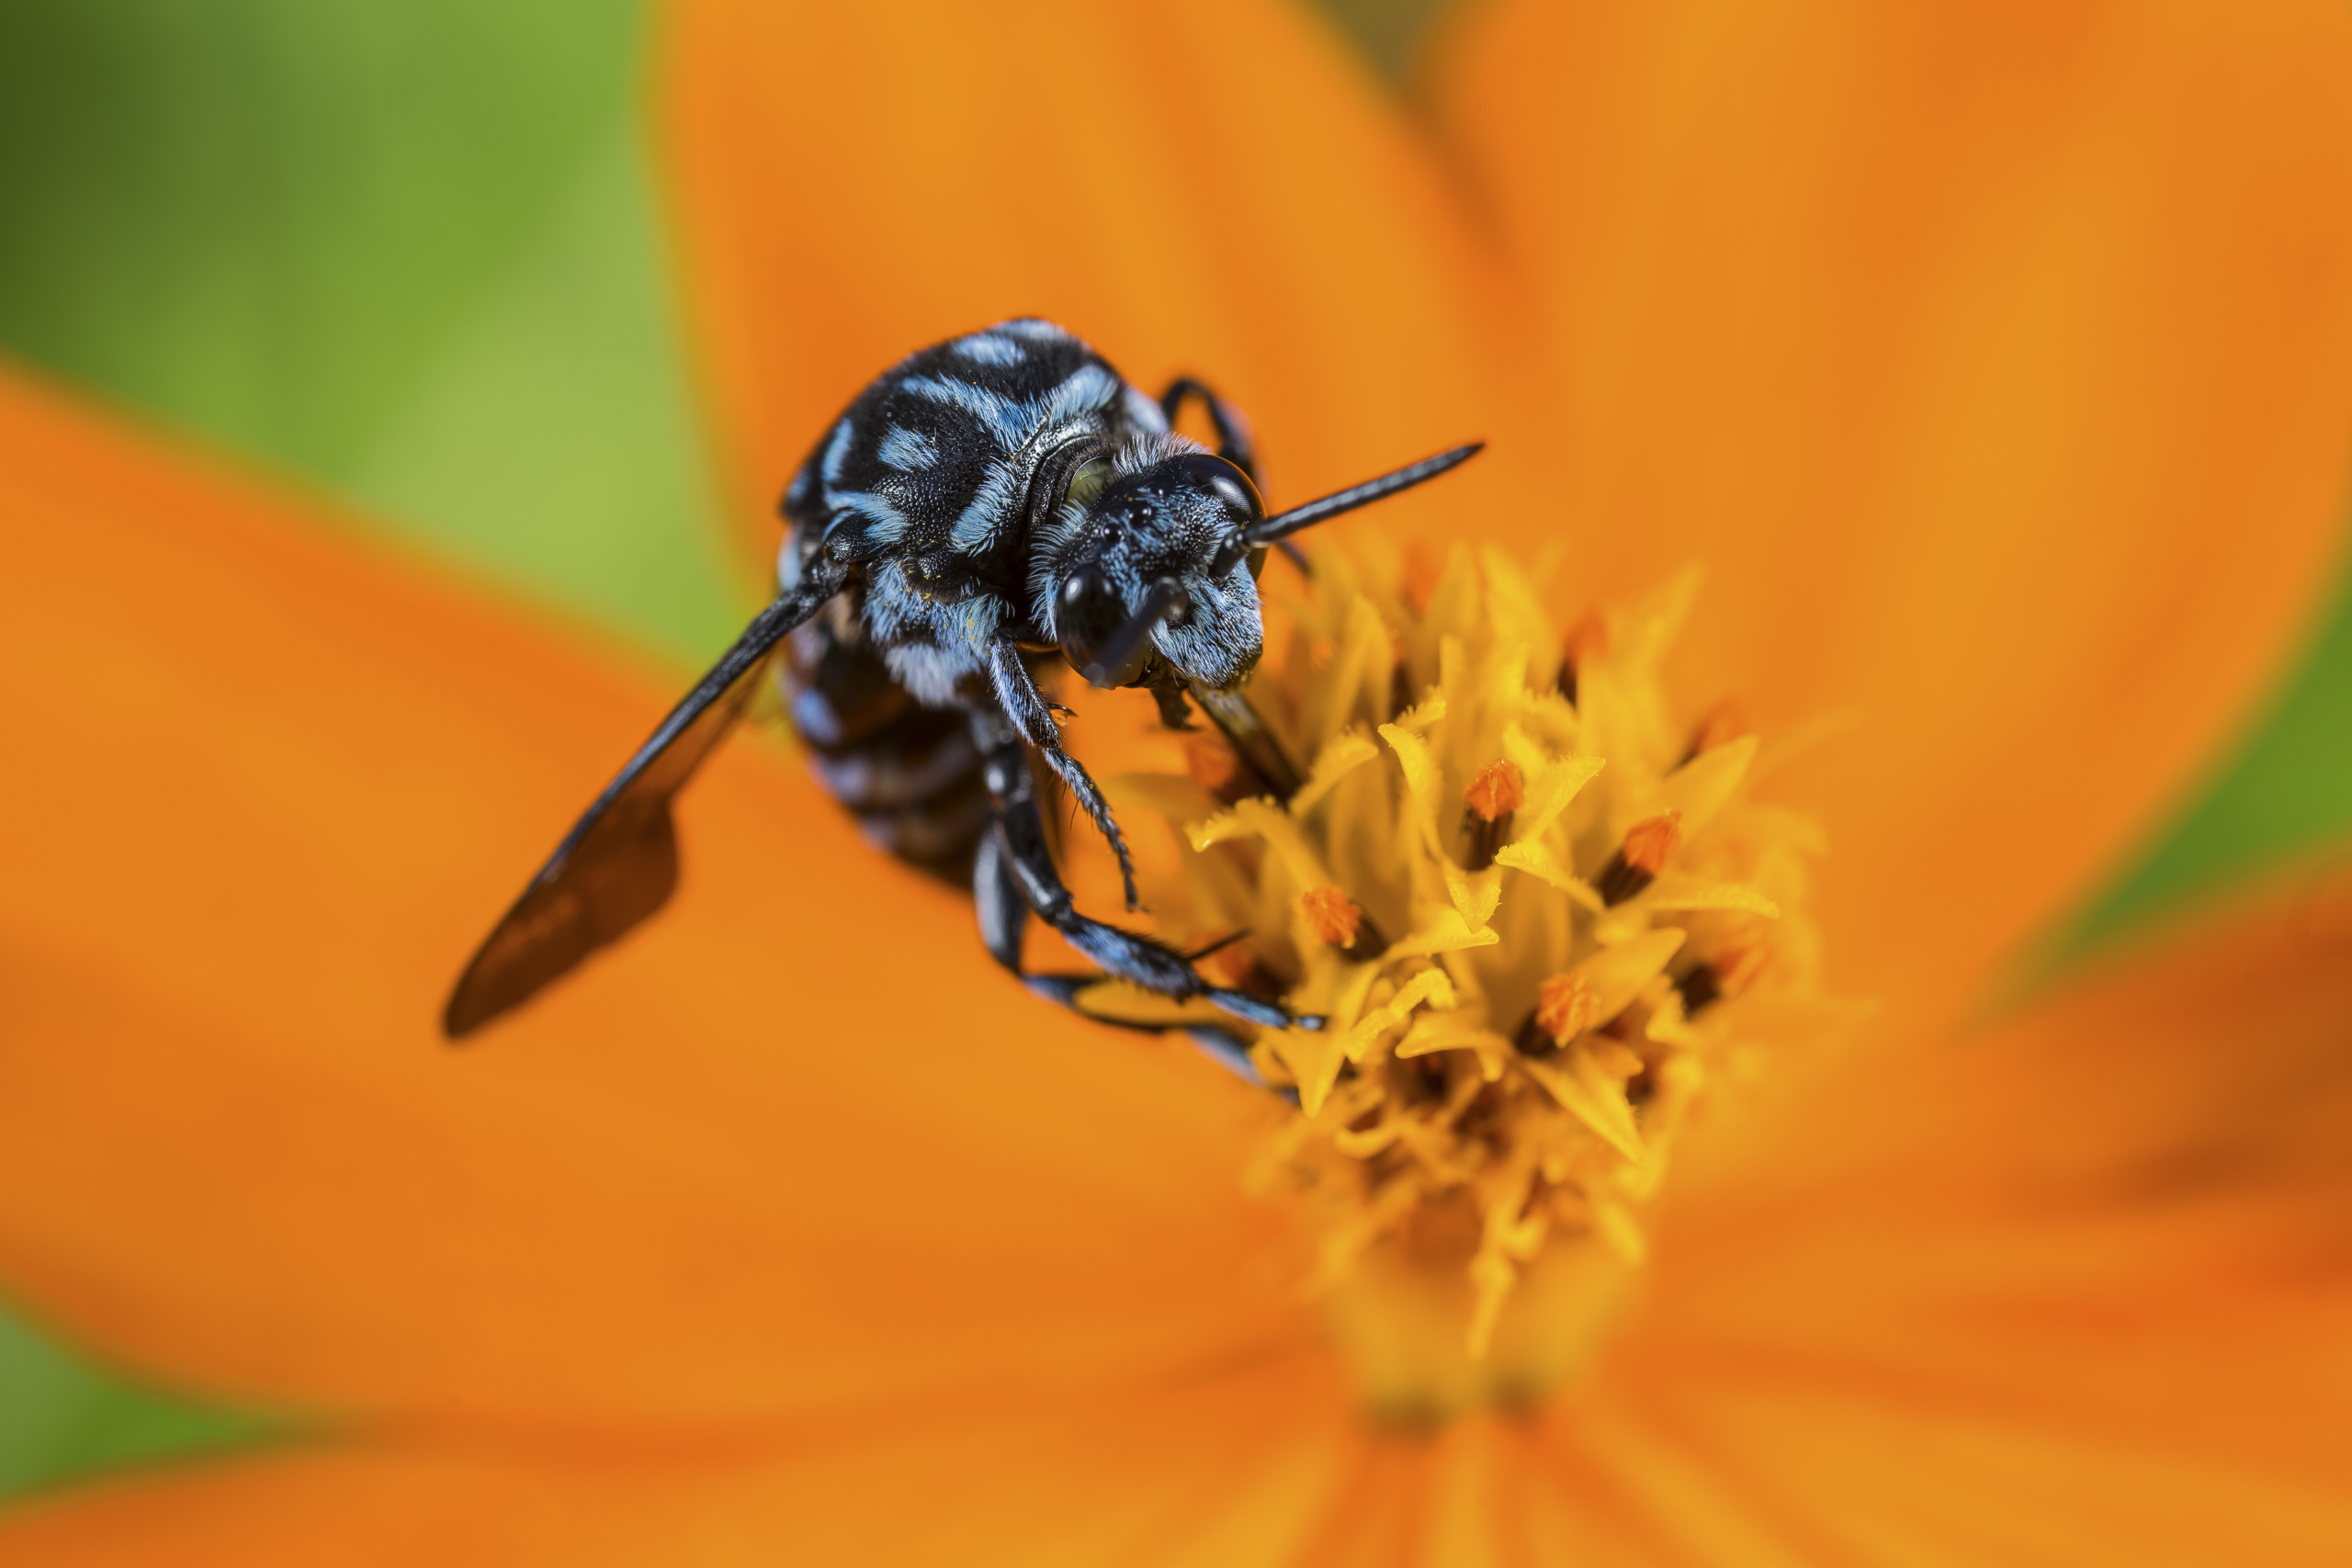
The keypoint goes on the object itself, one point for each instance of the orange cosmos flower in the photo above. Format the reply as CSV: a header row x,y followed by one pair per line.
x,y
1998,360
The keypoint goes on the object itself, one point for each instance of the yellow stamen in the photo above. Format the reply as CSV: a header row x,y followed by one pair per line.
x,y
1648,845
1493,1094
1489,801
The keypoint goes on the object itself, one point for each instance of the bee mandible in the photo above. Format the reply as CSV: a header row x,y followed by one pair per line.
x,y
986,507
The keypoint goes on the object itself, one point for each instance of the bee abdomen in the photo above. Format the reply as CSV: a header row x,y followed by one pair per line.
x,y
910,774
919,762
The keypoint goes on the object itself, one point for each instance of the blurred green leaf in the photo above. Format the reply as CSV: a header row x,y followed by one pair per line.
x,y
61,1418
553,443
1389,32
264,217
2285,795
405,248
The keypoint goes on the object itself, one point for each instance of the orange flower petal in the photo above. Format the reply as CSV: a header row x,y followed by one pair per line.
x,y
1781,1468
1997,359
1236,1470
798,1143
2089,1265
1215,188
1834,1475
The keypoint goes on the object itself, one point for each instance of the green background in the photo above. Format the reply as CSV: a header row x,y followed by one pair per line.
x,y
408,252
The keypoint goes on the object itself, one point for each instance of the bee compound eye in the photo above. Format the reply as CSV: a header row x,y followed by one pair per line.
x,y
1087,617
1240,500
1228,484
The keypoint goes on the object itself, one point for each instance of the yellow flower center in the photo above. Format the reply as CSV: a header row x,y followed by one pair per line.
x,y
1539,914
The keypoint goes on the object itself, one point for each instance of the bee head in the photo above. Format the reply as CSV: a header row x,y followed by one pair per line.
x,y
1151,557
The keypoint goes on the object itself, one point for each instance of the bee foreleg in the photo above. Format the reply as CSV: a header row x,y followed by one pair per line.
x,y
1175,713
1033,717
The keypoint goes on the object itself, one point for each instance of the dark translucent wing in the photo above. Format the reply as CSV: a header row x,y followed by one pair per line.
x,y
619,863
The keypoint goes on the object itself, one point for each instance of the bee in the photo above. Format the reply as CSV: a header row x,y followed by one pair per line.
x,y
985,510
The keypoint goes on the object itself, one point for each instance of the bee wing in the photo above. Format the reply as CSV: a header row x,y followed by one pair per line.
x,y
619,863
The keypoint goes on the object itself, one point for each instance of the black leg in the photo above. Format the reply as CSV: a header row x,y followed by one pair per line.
x,y
1004,912
997,896
1233,440
1014,863
1168,690
1032,716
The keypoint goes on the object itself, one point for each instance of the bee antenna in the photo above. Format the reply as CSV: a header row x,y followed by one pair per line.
x,y
1282,524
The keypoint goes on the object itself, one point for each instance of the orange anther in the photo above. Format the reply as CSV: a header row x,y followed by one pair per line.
x,y
1564,1007
1725,723
1333,915
1651,842
1497,791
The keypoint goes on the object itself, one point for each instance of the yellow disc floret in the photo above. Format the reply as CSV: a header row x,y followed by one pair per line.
x,y
1539,918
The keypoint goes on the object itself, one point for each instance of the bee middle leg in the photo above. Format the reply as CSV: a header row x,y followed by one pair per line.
x,y
1014,876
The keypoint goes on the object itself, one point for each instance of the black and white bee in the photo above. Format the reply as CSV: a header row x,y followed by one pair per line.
x,y
985,508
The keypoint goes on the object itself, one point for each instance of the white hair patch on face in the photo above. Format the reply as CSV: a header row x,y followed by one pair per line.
x,y
1048,550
